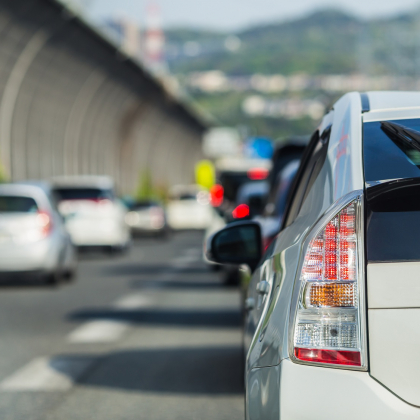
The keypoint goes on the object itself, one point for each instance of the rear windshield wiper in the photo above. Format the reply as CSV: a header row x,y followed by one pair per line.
x,y
401,136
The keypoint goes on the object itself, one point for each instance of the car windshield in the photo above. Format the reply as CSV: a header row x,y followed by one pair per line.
x,y
385,158
187,196
83,194
16,204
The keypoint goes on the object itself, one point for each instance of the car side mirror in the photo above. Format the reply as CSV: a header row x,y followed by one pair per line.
x,y
238,243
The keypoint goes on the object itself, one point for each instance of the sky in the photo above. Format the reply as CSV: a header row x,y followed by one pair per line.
x,y
237,14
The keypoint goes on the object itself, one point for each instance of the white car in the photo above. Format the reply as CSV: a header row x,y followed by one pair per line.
x,y
333,306
94,216
147,217
34,243
189,208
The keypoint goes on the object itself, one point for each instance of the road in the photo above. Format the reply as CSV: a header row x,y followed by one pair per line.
x,y
149,335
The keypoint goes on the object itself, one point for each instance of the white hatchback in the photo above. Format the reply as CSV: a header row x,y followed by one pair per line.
x,y
33,240
189,208
94,216
333,306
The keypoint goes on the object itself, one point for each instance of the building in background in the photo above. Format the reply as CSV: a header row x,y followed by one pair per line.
x,y
148,46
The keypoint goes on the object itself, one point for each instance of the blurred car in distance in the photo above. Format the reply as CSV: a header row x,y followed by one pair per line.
x,y
189,207
332,307
94,216
232,173
272,216
286,160
250,199
34,243
147,217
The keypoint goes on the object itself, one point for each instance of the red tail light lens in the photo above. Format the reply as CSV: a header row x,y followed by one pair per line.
x,y
241,211
44,222
328,320
258,174
216,195
337,357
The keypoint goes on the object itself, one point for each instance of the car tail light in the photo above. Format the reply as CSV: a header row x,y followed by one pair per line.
x,y
241,211
328,325
44,222
258,174
216,195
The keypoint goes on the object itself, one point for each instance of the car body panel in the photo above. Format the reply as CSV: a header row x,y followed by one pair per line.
x,y
392,271
394,340
285,257
309,393
345,146
393,285
263,398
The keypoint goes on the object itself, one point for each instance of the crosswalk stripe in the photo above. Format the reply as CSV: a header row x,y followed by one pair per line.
x,y
101,331
47,374
135,301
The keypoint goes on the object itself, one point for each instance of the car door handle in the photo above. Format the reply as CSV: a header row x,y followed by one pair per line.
x,y
249,304
263,287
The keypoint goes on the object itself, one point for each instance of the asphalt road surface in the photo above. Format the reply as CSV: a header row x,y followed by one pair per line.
x,y
149,335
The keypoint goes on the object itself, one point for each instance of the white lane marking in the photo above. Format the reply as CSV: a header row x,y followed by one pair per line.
x,y
183,260
47,374
135,301
103,331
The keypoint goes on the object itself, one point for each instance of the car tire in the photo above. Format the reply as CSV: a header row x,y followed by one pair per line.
x,y
52,279
69,275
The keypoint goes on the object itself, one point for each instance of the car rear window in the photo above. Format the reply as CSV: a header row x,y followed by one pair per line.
x,y
83,194
231,182
383,158
16,204
143,205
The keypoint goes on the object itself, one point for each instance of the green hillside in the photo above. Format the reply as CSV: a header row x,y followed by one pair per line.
x,y
325,42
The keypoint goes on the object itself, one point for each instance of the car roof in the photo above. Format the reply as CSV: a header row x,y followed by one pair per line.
x,y
294,141
386,100
27,190
83,181
43,185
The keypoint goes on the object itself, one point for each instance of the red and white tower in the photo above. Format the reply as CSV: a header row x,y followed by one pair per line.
x,y
154,42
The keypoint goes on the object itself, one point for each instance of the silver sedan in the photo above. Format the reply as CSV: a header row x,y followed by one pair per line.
x,y
33,241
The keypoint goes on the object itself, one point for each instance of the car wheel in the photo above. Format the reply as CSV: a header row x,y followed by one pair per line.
x,y
117,249
69,275
52,279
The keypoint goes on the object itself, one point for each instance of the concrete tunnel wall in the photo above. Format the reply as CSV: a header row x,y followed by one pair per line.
x,y
70,103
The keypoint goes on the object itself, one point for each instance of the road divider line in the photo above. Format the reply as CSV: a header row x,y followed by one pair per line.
x,y
101,331
47,374
135,301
